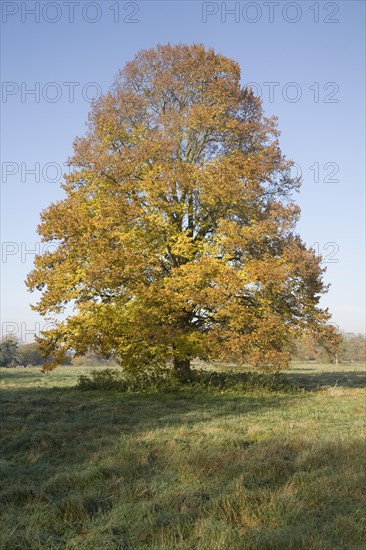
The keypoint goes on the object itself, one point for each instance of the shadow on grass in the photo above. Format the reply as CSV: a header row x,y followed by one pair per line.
x,y
28,408
94,469
316,379
161,472
68,457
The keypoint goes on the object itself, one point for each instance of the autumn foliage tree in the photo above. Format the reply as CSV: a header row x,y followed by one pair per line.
x,y
176,239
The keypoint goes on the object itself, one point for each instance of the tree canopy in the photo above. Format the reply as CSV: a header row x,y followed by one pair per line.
x,y
176,238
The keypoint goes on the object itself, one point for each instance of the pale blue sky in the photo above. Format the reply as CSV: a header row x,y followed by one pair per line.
x,y
324,129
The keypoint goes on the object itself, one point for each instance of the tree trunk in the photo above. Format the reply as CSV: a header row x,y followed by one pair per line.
x,y
182,369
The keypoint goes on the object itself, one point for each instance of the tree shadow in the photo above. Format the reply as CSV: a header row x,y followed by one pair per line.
x,y
110,472
54,408
316,380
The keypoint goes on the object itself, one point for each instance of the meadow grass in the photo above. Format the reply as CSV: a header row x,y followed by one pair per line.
x,y
201,468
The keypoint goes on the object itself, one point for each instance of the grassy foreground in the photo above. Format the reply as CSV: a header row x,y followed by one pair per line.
x,y
201,469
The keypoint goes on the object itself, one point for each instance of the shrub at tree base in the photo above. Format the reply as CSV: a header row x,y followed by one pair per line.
x,y
157,380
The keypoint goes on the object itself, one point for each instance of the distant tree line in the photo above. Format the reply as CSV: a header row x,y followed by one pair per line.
x,y
14,354
352,349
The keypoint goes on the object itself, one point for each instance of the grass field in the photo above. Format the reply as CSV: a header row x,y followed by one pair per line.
x,y
202,469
